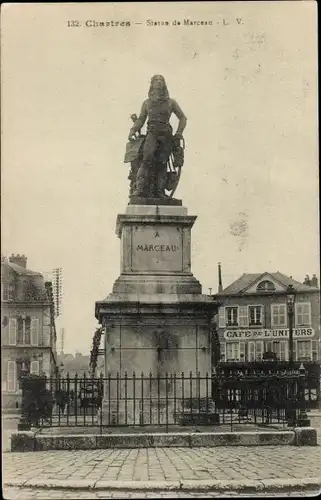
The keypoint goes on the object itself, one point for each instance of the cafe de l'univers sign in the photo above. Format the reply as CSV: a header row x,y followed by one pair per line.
x,y
265,334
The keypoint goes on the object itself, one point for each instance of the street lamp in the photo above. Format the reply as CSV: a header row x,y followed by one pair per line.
x,y
290,299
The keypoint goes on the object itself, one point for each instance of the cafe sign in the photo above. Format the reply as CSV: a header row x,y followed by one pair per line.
x,y
262,333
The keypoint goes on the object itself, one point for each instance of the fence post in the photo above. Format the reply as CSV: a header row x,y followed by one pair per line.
x,y
291,411
303,420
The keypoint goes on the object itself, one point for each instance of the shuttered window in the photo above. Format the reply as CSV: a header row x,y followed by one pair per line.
x,y
278,315
221,317
303,314
5,330
34,331
12,331
251,351
242,351
259,346
243,316
46,335
12,376
304,350
314,350
27,330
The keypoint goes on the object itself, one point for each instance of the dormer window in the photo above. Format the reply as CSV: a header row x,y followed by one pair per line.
x,y
265,286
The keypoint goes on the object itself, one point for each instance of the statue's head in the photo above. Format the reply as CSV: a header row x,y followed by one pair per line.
x,y
158,88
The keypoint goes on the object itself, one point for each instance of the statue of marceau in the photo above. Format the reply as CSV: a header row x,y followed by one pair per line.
x,y
156,157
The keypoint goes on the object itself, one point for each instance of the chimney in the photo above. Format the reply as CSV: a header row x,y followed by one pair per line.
x,y
220,287
314,281
19,260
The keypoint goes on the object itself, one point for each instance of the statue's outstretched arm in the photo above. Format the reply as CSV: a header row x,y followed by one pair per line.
x,y
181,117
139,123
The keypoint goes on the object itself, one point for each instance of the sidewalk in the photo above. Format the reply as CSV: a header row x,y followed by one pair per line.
x,y
241,469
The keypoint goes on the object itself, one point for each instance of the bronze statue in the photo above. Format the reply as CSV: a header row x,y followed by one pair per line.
x,y
157,157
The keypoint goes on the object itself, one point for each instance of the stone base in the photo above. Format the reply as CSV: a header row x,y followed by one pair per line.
x,y
178,284
140,200
305,436
157,333
41,442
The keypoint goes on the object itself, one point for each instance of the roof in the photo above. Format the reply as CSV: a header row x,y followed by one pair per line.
x,y
247,279
19,269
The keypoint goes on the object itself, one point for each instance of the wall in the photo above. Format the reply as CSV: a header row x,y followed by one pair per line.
x,y
147,347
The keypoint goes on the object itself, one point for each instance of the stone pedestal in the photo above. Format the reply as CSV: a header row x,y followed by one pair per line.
x,y
156,320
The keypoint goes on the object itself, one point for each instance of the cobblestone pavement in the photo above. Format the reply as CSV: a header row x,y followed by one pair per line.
x,y
27,494
166,464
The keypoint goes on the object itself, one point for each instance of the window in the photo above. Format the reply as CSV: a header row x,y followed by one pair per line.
x,y
255,350
278,315
242,351
251,351
259,347
232,351
46,332
27,330
20,328
303,314
303,350
12,331
221,317
314,350
5,331
243,316
8,291
24,330
34,331
265,286
255,315
12,376
231,316
280,349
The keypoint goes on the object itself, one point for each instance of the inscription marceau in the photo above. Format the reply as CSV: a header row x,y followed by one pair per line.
x,y
158,248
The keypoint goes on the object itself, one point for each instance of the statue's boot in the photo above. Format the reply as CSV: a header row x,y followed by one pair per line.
x,y
161,181
142,180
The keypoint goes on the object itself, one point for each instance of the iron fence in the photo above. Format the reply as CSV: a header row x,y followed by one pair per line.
x,y
233,396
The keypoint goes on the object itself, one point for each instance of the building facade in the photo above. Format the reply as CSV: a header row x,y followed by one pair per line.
x,y
28,333
253,319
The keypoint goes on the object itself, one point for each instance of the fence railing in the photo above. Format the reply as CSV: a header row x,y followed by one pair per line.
x,y
229,396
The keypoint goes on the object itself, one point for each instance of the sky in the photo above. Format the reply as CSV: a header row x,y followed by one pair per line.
x,y
248,85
